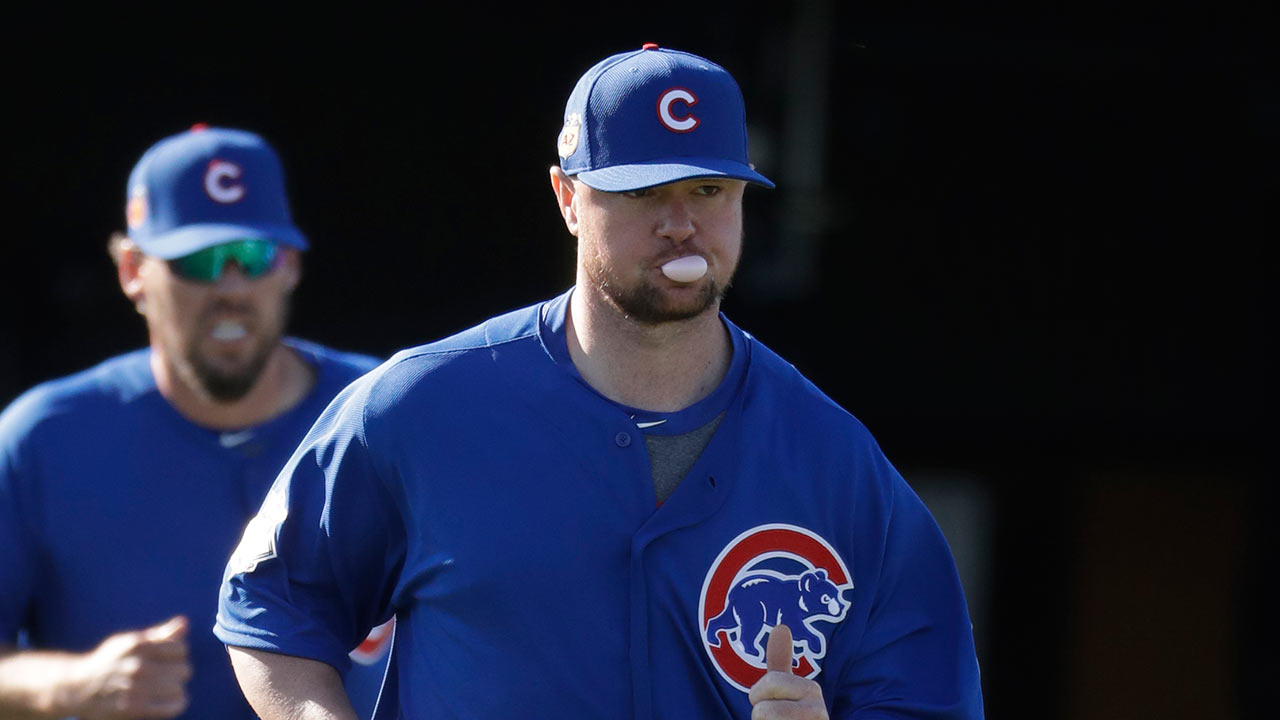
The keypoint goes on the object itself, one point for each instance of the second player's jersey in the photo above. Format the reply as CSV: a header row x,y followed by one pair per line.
x,y
117,513
505,512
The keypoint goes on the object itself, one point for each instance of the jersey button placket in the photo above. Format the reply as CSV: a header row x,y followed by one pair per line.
x,y
622,439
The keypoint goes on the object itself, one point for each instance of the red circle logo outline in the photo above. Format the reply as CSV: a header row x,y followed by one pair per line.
x,y
760,543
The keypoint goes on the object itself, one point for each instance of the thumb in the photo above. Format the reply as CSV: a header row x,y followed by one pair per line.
x,y
175,628
777,653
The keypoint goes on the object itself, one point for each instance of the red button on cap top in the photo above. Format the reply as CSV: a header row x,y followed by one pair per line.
x,y
649,46
199,126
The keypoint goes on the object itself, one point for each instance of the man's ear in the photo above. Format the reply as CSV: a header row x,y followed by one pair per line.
x,y
291,267
562,185
129,259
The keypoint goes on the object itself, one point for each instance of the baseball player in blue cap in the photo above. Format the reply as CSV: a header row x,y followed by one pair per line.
x,y
615,503
124,487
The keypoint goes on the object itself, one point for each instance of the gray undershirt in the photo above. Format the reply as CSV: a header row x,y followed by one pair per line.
x,y
673,456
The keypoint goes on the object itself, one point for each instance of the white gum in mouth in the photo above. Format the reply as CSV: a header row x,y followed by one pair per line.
x,y
686,269
228,330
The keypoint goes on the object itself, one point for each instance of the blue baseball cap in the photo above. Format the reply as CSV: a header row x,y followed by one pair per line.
x,y
205,187
655,116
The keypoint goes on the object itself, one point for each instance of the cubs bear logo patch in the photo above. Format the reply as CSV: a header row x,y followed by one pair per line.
x,y
374,647
770,575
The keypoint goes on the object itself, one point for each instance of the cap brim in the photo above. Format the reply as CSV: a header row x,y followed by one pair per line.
x,y
638,176
193,238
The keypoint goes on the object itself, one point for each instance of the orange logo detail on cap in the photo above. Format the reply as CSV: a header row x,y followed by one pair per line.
x,y
135,211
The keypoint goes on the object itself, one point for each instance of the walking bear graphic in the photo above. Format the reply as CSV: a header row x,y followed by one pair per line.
x,y
759,601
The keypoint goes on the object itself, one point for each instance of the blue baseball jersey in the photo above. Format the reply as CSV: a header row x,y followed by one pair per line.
x,y
504,511
116,513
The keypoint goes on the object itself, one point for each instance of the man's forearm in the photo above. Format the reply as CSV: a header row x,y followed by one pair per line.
x,y
131,674
284,687
35,684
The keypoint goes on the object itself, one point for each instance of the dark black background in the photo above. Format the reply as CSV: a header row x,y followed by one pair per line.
x,y
1043,239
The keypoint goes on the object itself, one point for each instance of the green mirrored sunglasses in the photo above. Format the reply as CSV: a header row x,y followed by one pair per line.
x,y
255,258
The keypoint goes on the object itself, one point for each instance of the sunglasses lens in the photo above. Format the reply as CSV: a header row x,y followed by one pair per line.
x,y
205,265
255,257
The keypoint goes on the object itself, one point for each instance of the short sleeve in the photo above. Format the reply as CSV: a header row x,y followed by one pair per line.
x,y
315,569
18,561
916,657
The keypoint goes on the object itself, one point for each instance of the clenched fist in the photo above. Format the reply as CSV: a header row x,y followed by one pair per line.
x,y
134,674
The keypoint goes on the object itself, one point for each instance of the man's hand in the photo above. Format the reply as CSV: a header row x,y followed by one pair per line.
x,y
135,674
780,694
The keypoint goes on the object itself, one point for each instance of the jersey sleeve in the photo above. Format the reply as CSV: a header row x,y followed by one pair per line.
x,y
916,657
315,569
18,563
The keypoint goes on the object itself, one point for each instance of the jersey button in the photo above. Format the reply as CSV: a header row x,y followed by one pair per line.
x,y
623,439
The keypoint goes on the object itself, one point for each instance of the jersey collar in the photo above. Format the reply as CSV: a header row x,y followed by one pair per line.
x,y
553,316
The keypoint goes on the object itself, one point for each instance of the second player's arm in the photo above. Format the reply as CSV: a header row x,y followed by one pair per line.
x,y
285,687
133,674
31,682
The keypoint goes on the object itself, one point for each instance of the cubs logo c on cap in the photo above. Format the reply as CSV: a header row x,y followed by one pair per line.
x,y
655,116
771,574
220,181
684,123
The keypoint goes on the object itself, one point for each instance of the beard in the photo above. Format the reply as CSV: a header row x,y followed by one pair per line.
x,y
647,304
228,384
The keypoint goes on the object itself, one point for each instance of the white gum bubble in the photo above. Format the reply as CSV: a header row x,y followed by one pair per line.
x,y
686,269
228,330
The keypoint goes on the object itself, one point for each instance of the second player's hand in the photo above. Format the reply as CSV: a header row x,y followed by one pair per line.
x,y
135,674
780,694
